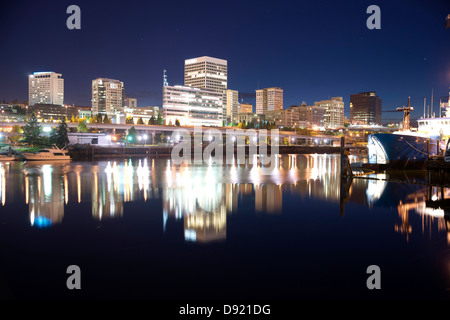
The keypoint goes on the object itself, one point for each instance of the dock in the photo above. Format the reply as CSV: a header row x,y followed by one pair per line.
x,y
91,151
438,171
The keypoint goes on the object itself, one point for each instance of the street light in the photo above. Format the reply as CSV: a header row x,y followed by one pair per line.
x,y
145,139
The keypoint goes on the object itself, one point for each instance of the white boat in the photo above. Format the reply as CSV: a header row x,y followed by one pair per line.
x,y
6,158
53,153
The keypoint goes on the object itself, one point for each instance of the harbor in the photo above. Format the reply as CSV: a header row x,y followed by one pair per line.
x,y
225,158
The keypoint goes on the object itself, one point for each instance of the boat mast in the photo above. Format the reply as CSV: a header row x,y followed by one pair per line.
x,y
431,102
424,103
406,115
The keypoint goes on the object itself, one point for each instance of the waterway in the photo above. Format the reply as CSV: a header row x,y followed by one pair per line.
x,y
146,228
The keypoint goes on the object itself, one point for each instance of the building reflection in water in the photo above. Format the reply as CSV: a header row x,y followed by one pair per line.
x,y
195,196
204,197
44,194
201,197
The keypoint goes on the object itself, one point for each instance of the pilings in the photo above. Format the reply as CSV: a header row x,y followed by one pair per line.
x,y
346,170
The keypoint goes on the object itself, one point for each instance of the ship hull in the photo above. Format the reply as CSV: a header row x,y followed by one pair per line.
x,y
400,150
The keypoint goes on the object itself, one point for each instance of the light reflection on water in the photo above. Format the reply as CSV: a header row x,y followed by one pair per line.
x,y
201,196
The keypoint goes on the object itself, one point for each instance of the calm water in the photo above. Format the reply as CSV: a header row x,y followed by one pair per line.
x,y
149,229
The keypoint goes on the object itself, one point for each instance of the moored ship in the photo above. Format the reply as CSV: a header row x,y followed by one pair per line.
x,y
410,148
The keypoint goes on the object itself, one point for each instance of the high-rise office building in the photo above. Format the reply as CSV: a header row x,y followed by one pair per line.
x,y
208,73
192,106
269,99
232,104
334,112
45,88
365,108
107,96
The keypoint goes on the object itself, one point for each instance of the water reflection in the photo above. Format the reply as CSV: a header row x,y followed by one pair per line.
x,y
431,204
202,197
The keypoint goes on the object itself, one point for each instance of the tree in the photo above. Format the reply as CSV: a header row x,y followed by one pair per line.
x,y
177,122
159,120
16,134
59,136
72,119
162,136
140,121
129,120
81,127
32,131
106,119
152,120
99,118
131,136
25,102
15,101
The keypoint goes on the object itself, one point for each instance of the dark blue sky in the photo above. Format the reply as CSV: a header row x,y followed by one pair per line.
x,y
312,49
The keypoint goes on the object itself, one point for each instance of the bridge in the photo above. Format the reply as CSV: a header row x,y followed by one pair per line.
x,y
168,130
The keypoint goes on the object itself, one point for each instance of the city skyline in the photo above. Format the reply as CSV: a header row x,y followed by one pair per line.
x,y
324,49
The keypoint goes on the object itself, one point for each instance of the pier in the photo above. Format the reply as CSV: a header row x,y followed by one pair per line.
x,y
438,171
91,151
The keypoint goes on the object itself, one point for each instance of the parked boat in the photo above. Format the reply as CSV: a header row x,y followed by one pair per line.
x,y
6,158
53,153
408,147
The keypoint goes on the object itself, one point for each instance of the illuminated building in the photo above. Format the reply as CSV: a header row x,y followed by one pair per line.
x,y
45,88
192,106
106,96
130,103
51,111
269,99
140,112
334,112
284,117
208,73
248,118
365,108
312,116
232,104
245,108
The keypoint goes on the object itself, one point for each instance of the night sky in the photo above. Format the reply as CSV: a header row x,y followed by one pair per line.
x,y
312,49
